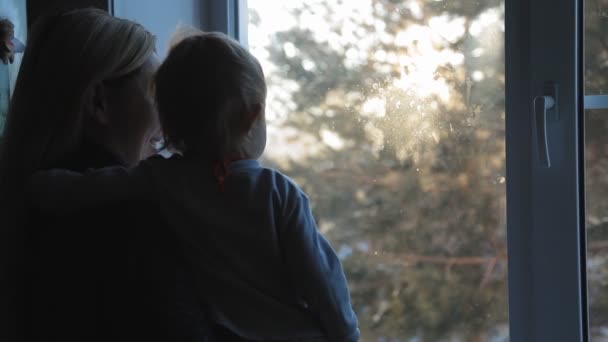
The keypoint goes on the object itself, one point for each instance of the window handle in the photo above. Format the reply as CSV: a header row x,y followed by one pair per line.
x,y
541,105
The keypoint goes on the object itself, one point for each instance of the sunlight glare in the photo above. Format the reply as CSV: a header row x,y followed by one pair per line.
x,y
332,139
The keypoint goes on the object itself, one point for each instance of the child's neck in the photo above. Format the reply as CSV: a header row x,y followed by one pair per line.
x,y
232,158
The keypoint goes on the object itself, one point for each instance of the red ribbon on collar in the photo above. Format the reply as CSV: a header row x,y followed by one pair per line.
x,y
220,170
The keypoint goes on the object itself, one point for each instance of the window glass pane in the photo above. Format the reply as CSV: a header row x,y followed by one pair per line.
x,y
597,221
15,12
596,46
4,94
596,83
390,114
160,17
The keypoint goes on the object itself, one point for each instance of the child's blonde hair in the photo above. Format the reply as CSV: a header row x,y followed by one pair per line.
x,y
205,90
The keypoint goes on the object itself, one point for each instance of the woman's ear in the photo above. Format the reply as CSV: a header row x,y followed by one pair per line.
x,y
97,105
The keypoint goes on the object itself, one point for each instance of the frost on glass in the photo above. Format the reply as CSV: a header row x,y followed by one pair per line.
x,y
390,114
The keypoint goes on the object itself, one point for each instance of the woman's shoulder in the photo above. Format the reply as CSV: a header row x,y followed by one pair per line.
x,y
161,161
160,168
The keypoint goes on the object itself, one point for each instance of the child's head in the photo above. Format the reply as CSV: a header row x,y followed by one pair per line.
x,y
211,93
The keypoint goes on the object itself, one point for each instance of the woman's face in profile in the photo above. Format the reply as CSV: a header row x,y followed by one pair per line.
x,y
131,114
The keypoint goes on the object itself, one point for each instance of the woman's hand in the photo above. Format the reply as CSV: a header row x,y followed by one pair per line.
x,y
7,48
8,44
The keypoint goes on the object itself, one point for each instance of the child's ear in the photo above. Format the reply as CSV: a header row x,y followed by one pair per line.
x,y
256,113
97,105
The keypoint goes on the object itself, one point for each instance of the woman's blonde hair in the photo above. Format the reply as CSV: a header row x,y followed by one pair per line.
x,y
205,89
66,57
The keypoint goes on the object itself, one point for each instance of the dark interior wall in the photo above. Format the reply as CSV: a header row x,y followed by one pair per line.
x,y
35,8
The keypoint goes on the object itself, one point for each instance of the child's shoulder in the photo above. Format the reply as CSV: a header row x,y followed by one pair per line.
x,y
285,185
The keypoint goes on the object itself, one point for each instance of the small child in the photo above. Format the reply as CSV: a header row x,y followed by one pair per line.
x,y
262,269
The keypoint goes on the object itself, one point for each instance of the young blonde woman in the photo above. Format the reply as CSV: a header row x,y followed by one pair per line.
x,y
82,100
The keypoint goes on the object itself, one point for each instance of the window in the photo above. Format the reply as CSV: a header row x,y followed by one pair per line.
x,y
597,221
596,89
390,114
160,20
15,11
408,121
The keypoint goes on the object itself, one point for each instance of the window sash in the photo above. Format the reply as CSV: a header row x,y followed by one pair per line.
x,y
545,206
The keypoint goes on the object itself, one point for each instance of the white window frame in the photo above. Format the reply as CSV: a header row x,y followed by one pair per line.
x,y
545,205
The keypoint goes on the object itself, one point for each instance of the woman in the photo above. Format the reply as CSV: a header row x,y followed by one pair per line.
x,y
82,101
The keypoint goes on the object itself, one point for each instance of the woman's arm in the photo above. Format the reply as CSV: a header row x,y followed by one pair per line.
x,y
59,191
